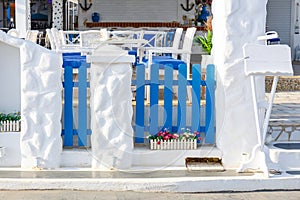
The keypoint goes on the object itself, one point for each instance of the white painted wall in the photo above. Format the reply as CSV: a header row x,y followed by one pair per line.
x,y
10,81
234,26
134,11
111,108
33,75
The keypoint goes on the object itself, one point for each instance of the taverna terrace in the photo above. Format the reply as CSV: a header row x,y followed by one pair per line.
x,y
85,117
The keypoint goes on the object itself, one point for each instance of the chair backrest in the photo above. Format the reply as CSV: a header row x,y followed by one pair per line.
x,y
92,38
70,38
13,32
177,38
155,38
187,44
32,35
123,34
49,36
104,34
57,39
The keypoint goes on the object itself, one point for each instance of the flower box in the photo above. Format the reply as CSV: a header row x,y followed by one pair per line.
x,y
174,144
10,126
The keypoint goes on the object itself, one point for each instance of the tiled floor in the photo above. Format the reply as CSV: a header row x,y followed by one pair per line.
x,y
285,115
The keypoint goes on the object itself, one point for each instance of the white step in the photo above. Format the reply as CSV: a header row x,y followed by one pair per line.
x,y
286,155
143,156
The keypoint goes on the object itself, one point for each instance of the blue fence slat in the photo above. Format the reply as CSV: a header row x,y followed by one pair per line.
x,y
182,82
168,96
82,105
210,103
154,94
139,98
68,106
196,97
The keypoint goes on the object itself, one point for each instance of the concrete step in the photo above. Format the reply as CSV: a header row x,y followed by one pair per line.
x,y
143,157
286,155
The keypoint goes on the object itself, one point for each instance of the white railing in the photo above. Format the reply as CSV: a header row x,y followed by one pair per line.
x,y
173,144
10,126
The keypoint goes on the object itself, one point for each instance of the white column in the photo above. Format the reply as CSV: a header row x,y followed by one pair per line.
x,y
22,12
235,23
40,137
111,109
57,14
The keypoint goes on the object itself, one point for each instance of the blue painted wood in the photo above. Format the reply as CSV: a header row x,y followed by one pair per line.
x,y
82,105
154,77
182,83
68,104
210,105
168,96
140,109
70,62
196,97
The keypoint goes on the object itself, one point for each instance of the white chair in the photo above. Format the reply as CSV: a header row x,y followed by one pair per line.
x,y
126,34
270,37
185,52
32,35
62,46
174,46
50,38
93,38
13,32
155,38
56,38
70,38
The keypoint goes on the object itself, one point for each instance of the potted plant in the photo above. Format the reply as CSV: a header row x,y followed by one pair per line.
x,y
166,140
205,41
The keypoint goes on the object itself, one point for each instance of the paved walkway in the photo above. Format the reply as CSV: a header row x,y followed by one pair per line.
x,y
285,116
130,195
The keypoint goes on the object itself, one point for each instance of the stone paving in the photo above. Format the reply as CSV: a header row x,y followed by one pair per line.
x,y
118,195
285,116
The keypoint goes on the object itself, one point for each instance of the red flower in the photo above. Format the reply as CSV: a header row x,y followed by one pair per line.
x,y
158,142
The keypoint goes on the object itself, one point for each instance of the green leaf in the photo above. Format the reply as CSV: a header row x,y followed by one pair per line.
x,y
205,41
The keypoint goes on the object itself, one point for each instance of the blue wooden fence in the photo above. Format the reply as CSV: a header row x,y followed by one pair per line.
x,y
151,124
72,62
143,124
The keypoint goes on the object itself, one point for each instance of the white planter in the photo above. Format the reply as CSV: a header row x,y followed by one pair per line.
x,y
206,60
10,126
173,144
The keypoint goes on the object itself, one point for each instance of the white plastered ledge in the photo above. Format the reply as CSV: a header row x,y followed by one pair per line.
x,y
39,85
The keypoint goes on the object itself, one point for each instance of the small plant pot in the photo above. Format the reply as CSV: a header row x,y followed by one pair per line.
x,y
206,60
